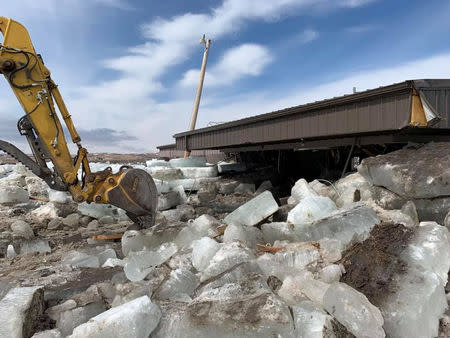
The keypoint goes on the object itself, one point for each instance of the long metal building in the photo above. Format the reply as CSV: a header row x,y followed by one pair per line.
x,y
414,110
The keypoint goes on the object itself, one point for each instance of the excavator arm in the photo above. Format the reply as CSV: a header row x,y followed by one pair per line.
x,y
130,189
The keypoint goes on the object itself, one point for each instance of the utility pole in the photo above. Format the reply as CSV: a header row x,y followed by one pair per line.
x,y
207,43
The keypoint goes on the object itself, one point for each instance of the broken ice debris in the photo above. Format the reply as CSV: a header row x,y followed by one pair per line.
x,y
353,310
203,250
420,296
352,188
188,162
12,194
68,320
292,259
77,259
422,172
199,172
310,209
22,229
302,189
278,231
254,211
246,308
250,236
34,245
331,273
205,225
135,319
20,310
229,255
180,286
140,264
312,322
55,333
352,223
245,188
302,286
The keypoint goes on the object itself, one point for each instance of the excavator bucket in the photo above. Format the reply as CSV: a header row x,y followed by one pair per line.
x,y
136,193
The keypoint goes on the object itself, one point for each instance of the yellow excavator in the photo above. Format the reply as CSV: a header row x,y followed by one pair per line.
x,y
132,190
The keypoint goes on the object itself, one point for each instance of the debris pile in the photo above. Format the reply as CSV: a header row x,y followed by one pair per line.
x,y
367,256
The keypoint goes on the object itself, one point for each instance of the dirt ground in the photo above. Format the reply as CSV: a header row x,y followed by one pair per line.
x,y
371,265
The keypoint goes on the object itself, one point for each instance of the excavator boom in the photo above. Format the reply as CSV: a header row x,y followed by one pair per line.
x,y
130,189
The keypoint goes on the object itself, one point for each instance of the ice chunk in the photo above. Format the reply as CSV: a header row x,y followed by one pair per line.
x,y
96,210
246,308
203,250
199,172
112,262
20,310
312,322
135,319
310,209
105,255
168,201
254,211
245,188
181,193
301,286
34,245
157,163
291,260
12,194
22,229
353,310
165,174
266,185
140,264
322,189
330,250
236,273
227,188
250,236
188,162
180,284
45,212
132,241
205,225
226,257
36,187
352,223
59,196
301,189
421,172
10,252
352,188
278,231
70,319
331,273
77,259
228,167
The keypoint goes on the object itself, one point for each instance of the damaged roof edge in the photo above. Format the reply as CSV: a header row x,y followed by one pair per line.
x,y
397,87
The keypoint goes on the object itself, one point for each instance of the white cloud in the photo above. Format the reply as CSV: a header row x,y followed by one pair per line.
x,y
263,102
244,60
128,101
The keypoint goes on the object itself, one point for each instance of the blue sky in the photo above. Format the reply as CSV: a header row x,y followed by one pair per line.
x,y
128,69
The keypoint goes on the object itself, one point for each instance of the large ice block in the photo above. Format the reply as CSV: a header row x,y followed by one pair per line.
x,y
180,285
254,211
250,236
291,260
353,310
140,264
135,319
226,257
310,209
352,223
203,250
20,310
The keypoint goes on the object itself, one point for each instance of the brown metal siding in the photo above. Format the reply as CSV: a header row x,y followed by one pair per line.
x,y
375,111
